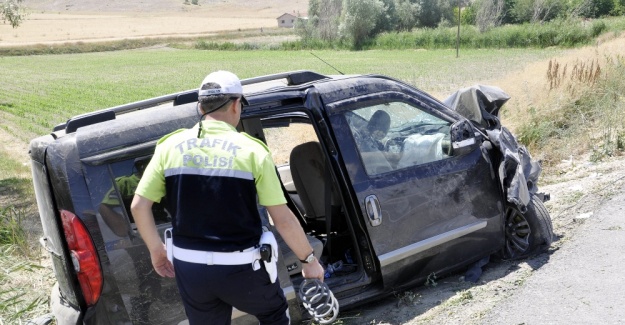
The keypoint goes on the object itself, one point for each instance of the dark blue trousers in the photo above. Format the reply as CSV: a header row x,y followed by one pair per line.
x,y
210,291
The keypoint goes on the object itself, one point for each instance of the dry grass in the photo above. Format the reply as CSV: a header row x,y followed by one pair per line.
x,y
551,102
55,22
282,140
586,73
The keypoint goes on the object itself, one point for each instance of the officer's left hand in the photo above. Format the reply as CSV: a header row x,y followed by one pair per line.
x,y
313,270
161,264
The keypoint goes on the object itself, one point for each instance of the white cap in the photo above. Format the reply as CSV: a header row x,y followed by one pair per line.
x,y
220,82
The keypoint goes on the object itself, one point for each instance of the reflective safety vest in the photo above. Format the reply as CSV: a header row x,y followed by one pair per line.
x,y
212,185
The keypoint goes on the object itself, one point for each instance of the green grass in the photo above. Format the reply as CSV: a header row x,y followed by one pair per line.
x,y
11,231
24,282
10,166
559,32
24,287
39,92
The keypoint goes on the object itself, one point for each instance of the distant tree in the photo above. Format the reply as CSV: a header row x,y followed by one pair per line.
x,y
619,8
11,11
489,14
522,11
600,8
508,18
323,18
468,13
306,28
535,11
432,12
359,19
387,21
407,14
313,7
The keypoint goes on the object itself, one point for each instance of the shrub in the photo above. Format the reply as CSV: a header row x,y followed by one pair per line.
x,y
11,231
585,121
598,27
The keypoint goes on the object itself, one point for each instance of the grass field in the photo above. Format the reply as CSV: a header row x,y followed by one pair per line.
x,y
39,92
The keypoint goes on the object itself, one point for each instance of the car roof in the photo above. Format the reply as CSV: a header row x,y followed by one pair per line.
x,y
142,123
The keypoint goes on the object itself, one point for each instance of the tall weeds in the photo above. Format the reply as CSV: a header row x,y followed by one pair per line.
x,y
24,283
589,119
11,231
564,33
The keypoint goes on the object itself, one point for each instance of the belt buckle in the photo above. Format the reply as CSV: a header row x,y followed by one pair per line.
x,y
209,258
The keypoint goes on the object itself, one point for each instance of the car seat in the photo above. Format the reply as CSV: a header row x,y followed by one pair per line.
x,y
312,181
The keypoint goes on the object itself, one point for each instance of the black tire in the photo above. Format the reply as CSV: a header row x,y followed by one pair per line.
x,y
527,233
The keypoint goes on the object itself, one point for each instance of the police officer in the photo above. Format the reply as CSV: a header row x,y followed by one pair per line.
x,y
212,177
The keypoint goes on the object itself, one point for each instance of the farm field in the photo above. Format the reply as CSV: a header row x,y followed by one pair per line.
x,y
39,92
57,22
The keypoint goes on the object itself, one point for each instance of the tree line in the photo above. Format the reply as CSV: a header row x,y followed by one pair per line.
x,y
358,21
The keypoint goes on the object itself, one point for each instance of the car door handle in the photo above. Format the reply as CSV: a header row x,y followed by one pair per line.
x,y
374,211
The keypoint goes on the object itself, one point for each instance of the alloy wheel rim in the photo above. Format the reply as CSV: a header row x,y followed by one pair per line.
x,y
517,234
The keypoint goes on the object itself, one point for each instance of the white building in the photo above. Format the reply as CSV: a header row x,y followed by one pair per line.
x,y
287,20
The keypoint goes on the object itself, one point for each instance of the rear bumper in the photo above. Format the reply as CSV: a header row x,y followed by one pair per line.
x,y
64,313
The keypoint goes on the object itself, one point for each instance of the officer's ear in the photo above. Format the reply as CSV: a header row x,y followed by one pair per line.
x,y
237,105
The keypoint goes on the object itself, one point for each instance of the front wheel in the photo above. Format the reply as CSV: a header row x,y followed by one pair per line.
x,y
527,233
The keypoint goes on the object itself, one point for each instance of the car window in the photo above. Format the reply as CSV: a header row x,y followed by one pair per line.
x,y
282,139
114,208
397,135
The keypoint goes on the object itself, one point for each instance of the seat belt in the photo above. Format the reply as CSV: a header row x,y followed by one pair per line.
x,y
328,203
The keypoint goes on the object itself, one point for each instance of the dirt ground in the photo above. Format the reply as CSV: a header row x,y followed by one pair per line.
x,y
578,187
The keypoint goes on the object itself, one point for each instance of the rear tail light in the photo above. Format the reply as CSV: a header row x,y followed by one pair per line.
x,y
84,257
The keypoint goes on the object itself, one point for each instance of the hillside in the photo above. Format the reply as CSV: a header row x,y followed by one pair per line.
x,y
57,22
235,7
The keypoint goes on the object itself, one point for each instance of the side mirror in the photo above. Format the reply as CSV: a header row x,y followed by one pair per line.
x,y
462,138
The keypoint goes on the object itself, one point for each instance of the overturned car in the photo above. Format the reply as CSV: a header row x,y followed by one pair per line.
x,y
389,184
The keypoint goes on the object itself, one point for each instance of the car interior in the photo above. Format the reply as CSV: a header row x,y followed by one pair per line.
x,y
312,195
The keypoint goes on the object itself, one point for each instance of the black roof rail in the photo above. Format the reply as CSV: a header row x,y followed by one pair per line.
x,y
109,114
293,78
87,119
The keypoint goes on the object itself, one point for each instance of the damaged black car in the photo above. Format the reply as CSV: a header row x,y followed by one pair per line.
x,y
389,184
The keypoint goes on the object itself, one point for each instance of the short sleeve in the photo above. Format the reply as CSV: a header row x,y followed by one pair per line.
x,y
152,183
267,183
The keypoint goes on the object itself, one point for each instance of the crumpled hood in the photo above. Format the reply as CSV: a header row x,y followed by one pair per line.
x,y
518,172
